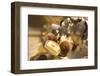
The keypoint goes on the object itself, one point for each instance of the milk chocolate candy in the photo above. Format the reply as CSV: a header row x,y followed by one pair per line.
x,y
64,48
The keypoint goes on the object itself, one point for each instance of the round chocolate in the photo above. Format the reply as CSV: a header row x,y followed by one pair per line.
x,y
64,48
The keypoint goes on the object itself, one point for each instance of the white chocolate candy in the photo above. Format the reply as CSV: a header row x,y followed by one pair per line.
x,y
52,47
